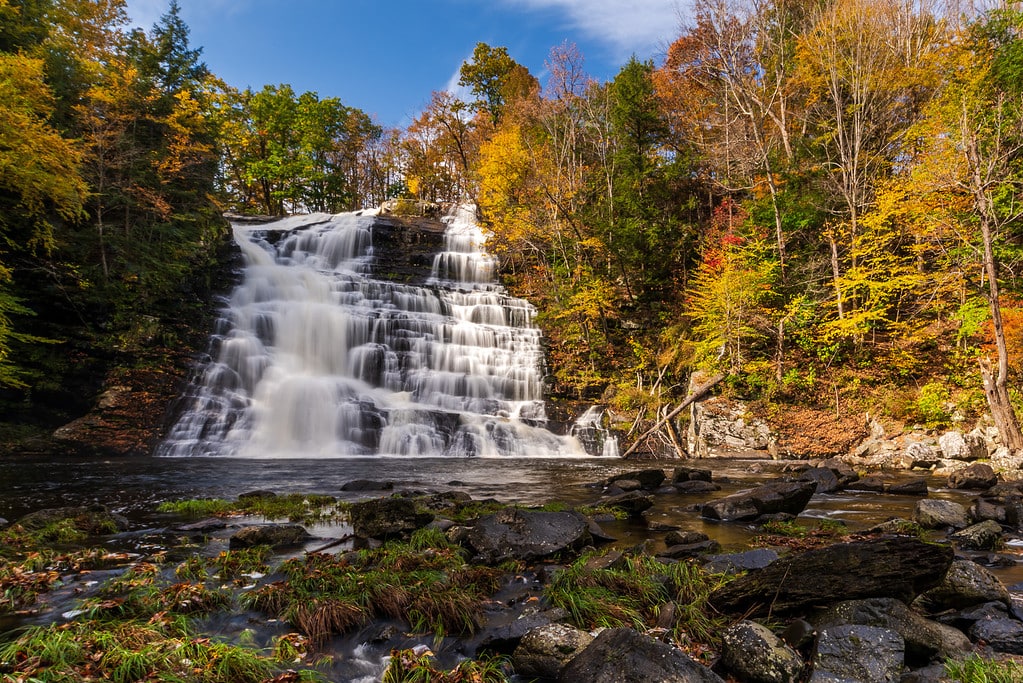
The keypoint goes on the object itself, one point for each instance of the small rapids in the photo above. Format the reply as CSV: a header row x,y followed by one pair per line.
x,y
315,356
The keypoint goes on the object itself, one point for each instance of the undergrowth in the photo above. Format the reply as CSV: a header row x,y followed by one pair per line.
x,y
408,666
975,669
295,507
632,591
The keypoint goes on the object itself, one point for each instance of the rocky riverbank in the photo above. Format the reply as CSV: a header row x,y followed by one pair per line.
x,y
437,580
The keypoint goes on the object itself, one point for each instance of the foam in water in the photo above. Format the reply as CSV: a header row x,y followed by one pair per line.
x,y
315,357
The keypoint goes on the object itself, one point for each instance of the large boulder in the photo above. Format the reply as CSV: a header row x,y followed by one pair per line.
x,y
925,640
788,497
273,535
940,514
387,517
826,478
753,653
864,654
544,651
896,567
966,583
720,425
623,654
632,503
1002,503
979,475
513,534
959,446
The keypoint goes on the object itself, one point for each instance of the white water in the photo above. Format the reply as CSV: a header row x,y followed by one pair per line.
x,y
315,357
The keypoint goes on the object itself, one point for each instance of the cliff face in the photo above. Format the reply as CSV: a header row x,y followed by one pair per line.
x,y
137,399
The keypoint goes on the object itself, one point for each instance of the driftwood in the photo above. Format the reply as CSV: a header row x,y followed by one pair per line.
x,y
694,395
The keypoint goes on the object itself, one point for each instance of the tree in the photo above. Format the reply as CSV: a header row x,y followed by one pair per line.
x,y
495,79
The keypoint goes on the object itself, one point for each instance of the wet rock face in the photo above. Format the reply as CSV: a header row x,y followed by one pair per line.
x,y
623,654
899,567
787,497
387,517
273,535
544,651
866,654
753,653
525,535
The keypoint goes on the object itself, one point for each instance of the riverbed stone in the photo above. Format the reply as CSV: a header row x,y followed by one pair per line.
x,y
789,497
91,520
696,486
940,514
681,474
979,475
897,567
633,503
684,550
753,653
545,650
387,517
864,654
734,563
273,535
1002,503
925,640
258,494
648,479
527,535
624,654
825,478
1001,634
367,485
916,486
966,583
984,535
684,537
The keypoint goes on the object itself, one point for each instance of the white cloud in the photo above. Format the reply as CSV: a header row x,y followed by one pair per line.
x,y
628,26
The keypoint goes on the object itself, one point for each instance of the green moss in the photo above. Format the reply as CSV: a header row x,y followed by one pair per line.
x,y
295,507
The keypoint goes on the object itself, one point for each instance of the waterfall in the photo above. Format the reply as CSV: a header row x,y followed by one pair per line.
x,y
317,356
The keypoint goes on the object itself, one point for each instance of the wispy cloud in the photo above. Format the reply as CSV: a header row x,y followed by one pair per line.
x,y
627,26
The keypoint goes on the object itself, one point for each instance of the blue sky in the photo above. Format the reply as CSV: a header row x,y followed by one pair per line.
x,y
386,56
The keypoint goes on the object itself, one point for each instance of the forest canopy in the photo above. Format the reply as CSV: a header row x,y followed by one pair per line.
x,y
821,200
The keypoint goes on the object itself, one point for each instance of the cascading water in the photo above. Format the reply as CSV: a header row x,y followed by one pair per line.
x,y
315,356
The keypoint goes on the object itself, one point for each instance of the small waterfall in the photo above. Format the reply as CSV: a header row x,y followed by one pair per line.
x,y
596,439
315,356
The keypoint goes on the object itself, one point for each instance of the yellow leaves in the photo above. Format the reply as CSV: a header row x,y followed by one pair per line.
x,y
37,165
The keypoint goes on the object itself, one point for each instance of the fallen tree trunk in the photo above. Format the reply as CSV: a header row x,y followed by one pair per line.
x,y
694,395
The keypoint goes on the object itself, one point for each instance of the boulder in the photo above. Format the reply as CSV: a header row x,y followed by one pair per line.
x,y
545,650
846,474
825,477
91,520
623,654
684,550
920,455
984,535
527,535
1002,503
877,483
897,567
258,494
273,535
966,583
1001,634
696,486
684,537
976,476
633,503
648,479
719,424
681,474
789,497
959,446
752,653
734,563
925,640
387,517
864,654
940,514
506,637
911,487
